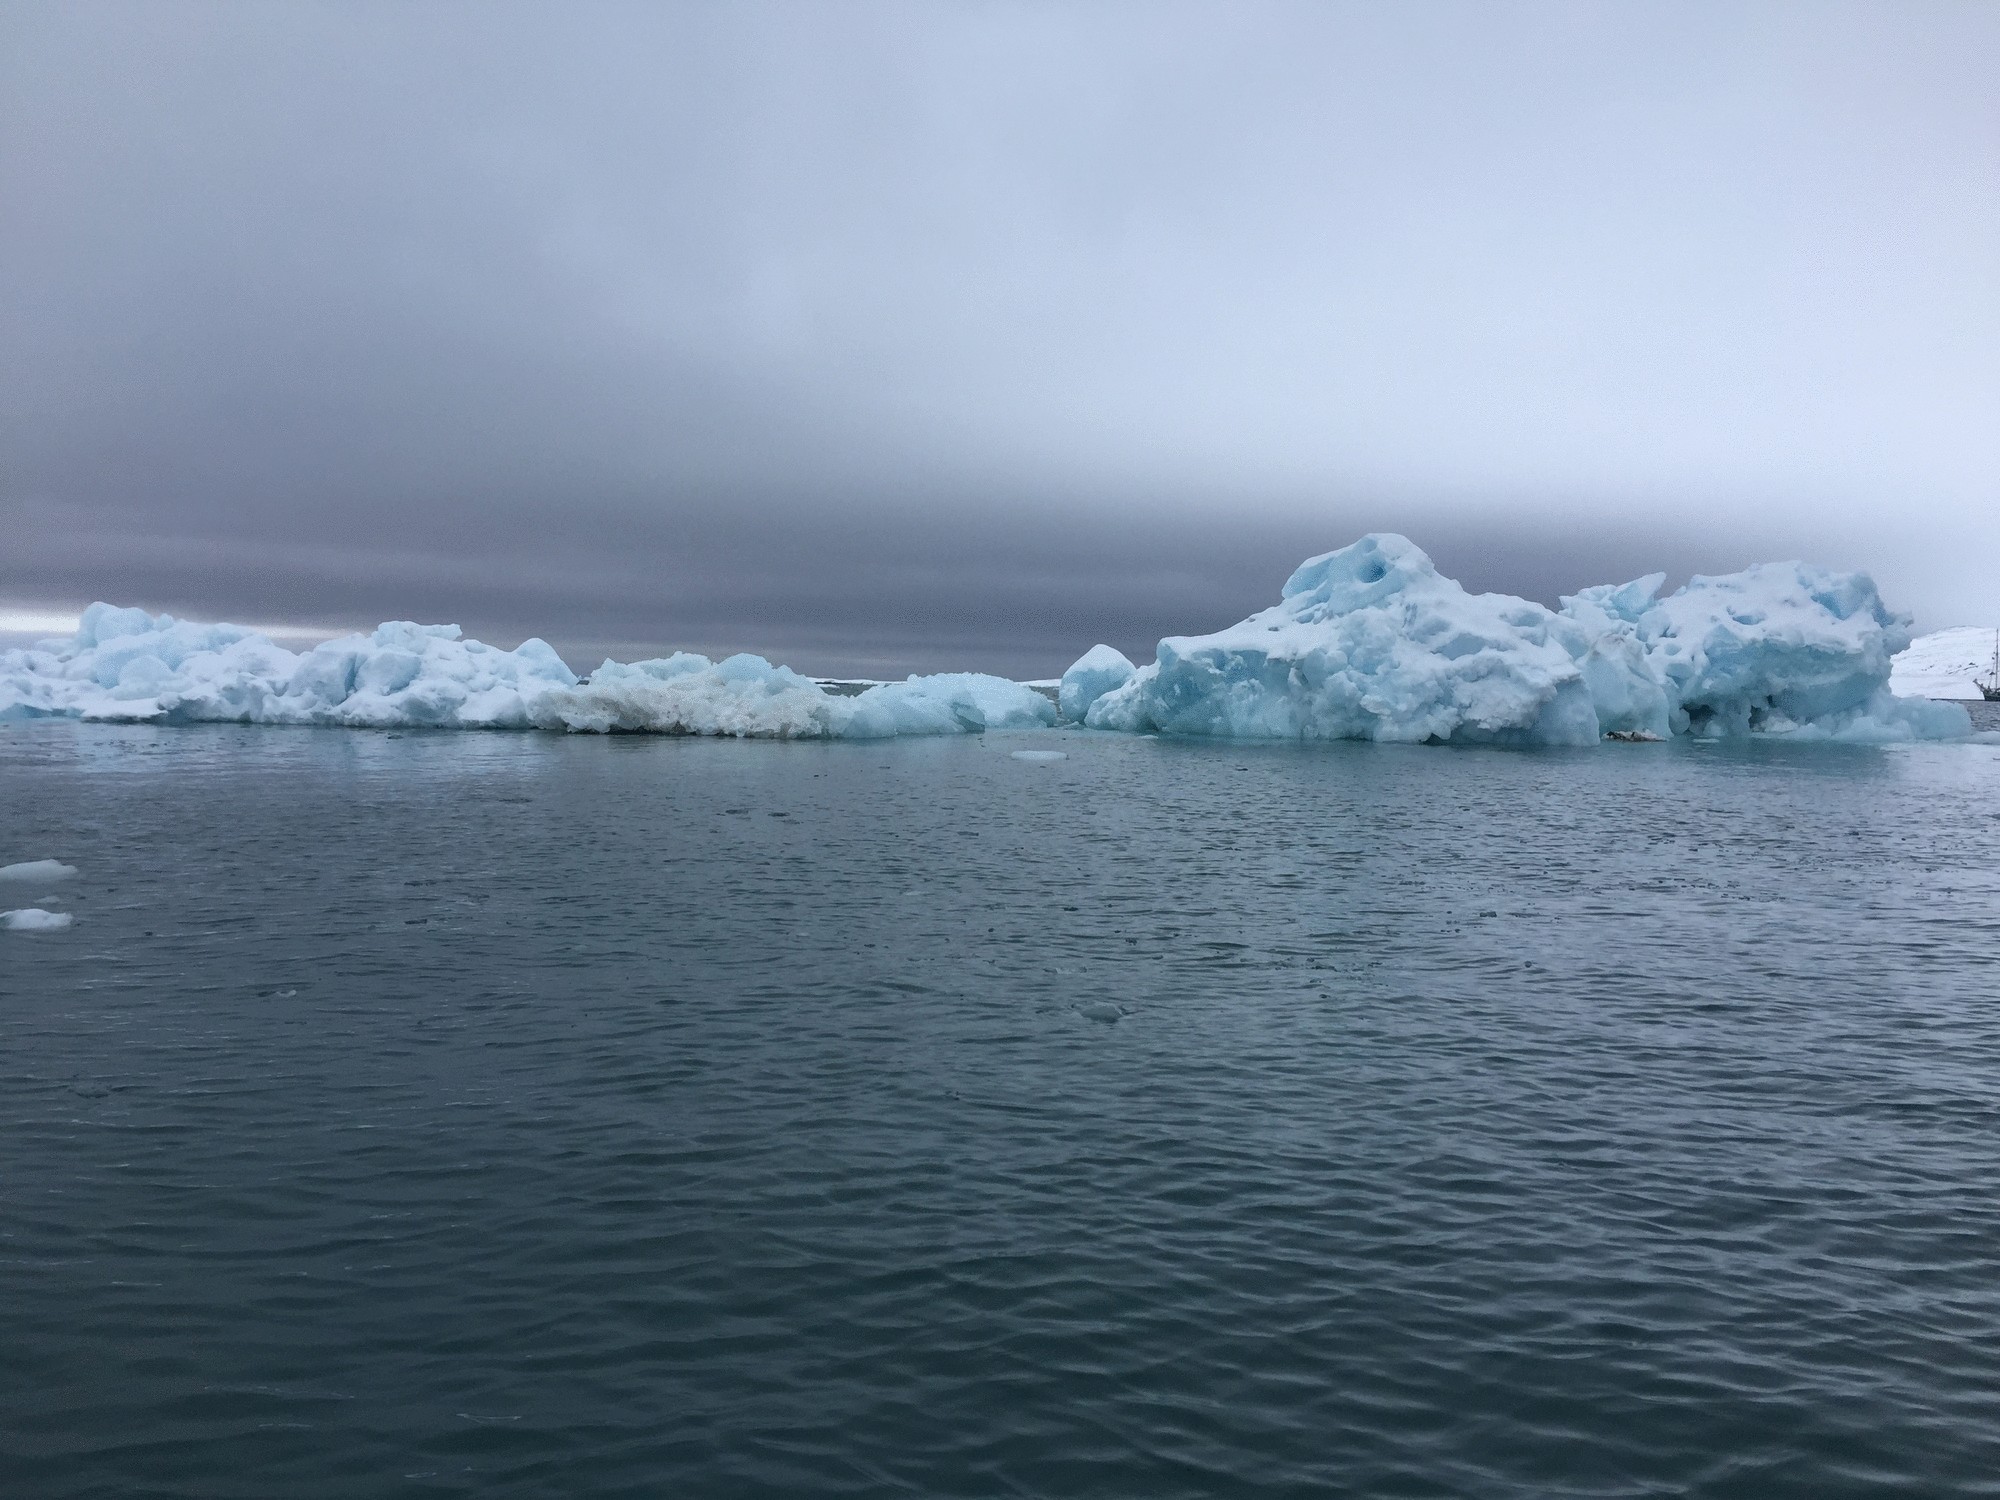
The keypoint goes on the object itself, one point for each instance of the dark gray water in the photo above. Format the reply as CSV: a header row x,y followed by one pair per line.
x,y
1985,716
525,1115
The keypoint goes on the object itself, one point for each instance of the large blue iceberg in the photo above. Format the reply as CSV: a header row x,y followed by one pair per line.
x,y
1373,643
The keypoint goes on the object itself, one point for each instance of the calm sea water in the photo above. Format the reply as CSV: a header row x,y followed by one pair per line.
x,y
527,1115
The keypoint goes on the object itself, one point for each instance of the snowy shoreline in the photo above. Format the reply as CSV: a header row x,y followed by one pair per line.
x,y
1946,665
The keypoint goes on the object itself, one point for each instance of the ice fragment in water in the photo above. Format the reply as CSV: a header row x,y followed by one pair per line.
x,y
38,870
34,919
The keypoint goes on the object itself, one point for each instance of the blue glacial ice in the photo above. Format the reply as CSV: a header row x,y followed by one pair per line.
x,y
126,665
1371,642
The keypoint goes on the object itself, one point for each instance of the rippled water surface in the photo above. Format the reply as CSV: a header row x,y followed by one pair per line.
x,y
522,1115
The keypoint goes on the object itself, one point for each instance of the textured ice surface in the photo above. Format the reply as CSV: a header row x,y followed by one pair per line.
x,y
1779,648
1371,642
1040,757
34,919
124,664
748,696
38,870
1945,664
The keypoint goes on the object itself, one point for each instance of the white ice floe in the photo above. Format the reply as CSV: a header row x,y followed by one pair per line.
x,y
34,919
124,664
1040,757
1945,664
1371,642
38,870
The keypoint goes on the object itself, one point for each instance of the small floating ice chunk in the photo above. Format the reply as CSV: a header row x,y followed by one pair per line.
x,y
1039,757
37,869
1101,1010
34,919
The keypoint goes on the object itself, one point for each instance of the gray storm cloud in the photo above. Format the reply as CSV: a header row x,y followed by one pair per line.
x,y
885,337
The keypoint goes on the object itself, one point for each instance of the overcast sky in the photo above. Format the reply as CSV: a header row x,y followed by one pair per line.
x,y
893,337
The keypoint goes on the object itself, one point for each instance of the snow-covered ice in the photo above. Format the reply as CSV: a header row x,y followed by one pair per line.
x,y
1372,642
38,870
124,664
34,919
1945,664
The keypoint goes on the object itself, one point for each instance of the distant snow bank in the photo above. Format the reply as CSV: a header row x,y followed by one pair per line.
x,y
1945,663
1372,643
127,665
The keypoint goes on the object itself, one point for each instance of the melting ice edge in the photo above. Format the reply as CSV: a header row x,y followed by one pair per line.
x,y
1370,642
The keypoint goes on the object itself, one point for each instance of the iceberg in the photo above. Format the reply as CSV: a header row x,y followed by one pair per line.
x,y
1371,642
126,665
